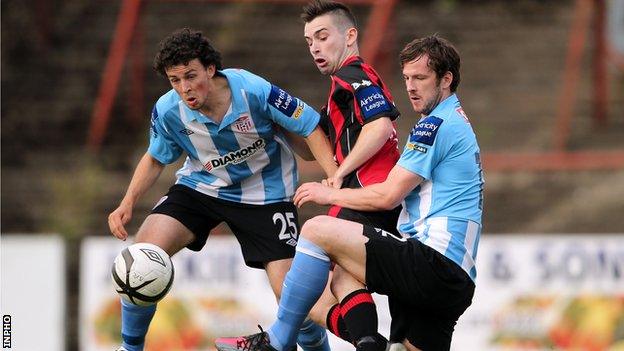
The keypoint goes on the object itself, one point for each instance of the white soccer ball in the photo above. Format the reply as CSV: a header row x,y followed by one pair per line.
x,y
142,274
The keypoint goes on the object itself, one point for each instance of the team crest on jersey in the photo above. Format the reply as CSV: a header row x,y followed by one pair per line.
x,y
425,131
372,101
282,101
235,157
463,114
243,124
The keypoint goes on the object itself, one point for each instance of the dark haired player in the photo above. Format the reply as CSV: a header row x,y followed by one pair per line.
x,y
358,117
231,125
429,273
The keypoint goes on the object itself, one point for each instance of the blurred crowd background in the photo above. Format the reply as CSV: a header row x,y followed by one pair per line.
x,y
514,61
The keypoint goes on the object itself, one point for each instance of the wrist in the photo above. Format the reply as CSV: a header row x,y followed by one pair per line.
x,y
333,196
127,201
339,173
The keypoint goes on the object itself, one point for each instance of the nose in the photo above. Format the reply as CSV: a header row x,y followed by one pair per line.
x,y
314,47
409,85
186,85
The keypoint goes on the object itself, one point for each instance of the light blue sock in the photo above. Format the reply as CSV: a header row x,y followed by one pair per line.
x,y
135,321
303,285
312,337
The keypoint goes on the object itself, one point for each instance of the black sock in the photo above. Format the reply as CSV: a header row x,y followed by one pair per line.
x,y
360,314
336,324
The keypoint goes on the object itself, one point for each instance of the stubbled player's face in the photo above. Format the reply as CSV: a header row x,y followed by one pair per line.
x,y
424,88
329,46
192,82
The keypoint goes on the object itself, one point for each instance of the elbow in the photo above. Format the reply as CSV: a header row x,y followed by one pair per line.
x,y
388,202
385,127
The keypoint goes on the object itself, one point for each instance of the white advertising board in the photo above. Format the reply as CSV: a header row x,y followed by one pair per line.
x,y
214,294
553,292
533,293
33,292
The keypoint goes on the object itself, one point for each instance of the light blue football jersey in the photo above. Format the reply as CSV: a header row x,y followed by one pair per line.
x,y
444,211
243,159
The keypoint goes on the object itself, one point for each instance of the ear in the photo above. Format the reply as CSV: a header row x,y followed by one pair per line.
x,y
351,36
446,80
211,70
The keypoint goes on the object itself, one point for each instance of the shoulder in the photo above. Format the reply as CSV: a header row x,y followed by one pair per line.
x,y
353,74
167,102
457,122
245,78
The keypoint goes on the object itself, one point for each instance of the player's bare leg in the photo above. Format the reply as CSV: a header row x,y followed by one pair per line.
x,y
320,310
344,243
166,232
409,346
307,280
170,235
276,271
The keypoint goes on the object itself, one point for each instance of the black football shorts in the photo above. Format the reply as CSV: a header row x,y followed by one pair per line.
x,y
427,292
265,232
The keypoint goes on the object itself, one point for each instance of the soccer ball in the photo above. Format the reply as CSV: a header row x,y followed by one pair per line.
x,y
142,274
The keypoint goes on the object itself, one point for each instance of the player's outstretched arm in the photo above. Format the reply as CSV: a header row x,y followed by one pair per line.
x,y
375,197
298,144
321,149
371,139
145,174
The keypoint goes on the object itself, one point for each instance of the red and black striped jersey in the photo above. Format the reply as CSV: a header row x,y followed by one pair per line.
x,y
359,96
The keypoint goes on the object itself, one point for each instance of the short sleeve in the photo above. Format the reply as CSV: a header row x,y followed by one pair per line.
x,y
162,146
373,103
370,99
290,112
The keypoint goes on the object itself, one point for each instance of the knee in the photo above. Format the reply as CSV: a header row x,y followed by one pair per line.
x,y
317,230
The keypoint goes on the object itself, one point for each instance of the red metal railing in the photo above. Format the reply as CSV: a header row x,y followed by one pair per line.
x,y
124,31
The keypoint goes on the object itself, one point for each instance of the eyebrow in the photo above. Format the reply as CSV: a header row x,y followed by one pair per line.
x,y
317,31
183,73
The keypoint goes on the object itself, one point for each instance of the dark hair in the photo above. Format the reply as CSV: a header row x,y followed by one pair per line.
x,y
318,8
443,57
183,46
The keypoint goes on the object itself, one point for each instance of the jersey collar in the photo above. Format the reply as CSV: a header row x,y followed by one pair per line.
x,y
349,61
444,106
238,105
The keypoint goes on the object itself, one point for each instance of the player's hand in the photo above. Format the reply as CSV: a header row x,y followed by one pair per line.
x,y
332,182
117,219
313,192
336,182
